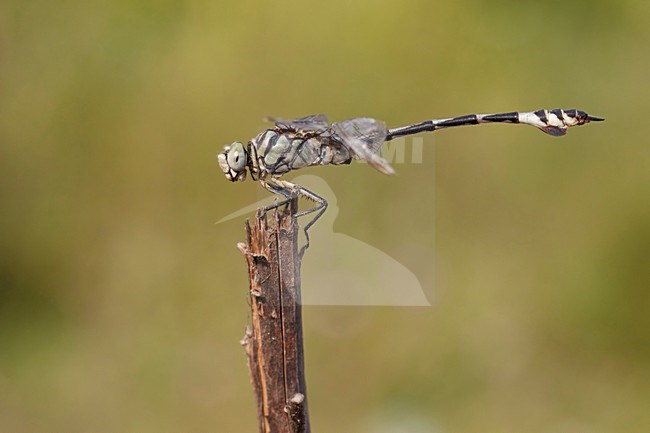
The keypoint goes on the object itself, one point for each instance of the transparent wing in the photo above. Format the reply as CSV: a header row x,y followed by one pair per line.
x,y
364,137
553,130
315,122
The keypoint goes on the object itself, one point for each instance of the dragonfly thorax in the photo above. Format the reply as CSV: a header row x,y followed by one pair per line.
x,y
278,151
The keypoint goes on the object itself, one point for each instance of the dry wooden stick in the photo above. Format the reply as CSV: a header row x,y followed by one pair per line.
x,y
273,341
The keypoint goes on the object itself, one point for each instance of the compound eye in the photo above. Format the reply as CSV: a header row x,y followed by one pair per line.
x,y
237,157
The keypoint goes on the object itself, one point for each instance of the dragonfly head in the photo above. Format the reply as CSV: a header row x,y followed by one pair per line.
x,y
233,161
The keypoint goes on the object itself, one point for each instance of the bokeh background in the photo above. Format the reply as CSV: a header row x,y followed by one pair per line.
x,y
122,303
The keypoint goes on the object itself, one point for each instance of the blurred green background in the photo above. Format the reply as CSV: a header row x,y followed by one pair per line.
x,y
122,304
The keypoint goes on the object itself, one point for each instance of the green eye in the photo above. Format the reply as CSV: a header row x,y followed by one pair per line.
x,y
237,157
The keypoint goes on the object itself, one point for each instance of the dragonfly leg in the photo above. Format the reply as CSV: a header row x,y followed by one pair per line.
x,y
319,210
286,189
277,187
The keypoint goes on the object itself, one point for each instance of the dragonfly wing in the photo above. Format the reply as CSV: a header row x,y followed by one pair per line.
x,y
364,137
315,122
553,130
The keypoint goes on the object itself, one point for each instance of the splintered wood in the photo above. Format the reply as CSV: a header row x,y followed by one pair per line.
x,y
273,341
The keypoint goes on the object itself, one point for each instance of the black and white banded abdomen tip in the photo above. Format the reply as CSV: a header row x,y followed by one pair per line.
x,y
556,122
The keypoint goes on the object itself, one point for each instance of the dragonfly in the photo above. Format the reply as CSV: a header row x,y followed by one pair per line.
x,y
309,141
